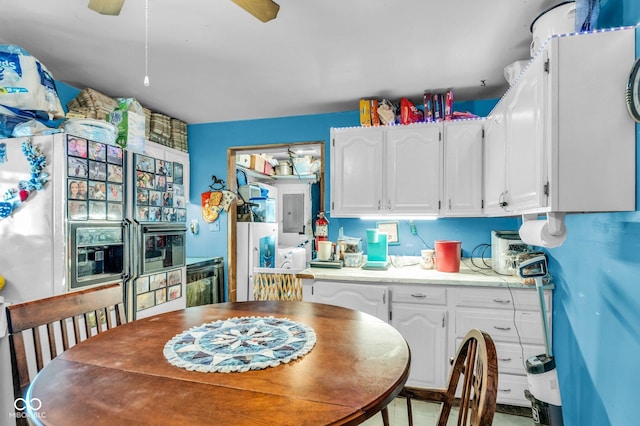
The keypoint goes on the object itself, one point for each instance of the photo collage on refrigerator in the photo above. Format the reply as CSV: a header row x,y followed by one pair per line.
x,y
158,288
95,178
159,190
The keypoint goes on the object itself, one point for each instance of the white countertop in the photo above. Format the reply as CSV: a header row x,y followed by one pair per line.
x,y
469,275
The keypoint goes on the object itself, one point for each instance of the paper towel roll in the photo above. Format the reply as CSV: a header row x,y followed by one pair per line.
x,y
536,233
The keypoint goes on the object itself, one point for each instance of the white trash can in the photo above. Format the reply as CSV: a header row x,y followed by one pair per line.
x,y
544,392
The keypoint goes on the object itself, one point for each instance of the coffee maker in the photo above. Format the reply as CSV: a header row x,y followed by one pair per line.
x,y
377,250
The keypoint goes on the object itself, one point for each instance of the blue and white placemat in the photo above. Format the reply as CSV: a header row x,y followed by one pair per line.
x,y
240,344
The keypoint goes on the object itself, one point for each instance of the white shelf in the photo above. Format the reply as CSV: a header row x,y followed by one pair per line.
x,y
256,174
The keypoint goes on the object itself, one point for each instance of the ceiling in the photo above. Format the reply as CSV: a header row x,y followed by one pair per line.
x,y
211,61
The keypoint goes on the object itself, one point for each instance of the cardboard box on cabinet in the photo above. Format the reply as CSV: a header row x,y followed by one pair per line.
x,y
257,163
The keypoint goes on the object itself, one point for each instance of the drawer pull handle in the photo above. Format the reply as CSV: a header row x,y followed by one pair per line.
x,y
505,390
419,295
502,328
505,359
502,300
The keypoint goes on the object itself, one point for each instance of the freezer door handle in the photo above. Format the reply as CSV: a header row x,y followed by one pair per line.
x,y
126,226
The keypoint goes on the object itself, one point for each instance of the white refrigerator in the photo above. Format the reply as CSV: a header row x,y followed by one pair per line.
x,y
77,227
257,244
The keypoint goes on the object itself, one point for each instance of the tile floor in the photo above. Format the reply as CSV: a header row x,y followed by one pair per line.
x,y
426,414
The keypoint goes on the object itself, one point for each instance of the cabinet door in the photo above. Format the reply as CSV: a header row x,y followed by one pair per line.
x,y
413,165
525,162
356,171
494,159
370,299
425,330
463,168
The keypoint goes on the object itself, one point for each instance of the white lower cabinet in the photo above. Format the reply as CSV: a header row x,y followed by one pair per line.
x,y
512,319
420,314
434,318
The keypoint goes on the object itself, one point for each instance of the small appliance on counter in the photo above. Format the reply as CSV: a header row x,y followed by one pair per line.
x,y
377,250
505,247
294,258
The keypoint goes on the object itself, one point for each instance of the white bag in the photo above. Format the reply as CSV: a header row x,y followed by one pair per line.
x,y
26,84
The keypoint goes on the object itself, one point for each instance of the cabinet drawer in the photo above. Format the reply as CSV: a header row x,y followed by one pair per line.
x,y
510,356
501,298
426,295
500,325
511,390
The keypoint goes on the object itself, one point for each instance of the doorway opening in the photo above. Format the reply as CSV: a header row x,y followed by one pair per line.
x,y
281,152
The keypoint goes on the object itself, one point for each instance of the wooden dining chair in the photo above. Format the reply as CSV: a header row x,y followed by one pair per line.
x,y
475,371
63,321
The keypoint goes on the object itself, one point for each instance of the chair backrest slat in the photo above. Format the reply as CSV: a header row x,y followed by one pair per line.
x,y
65,335
64,310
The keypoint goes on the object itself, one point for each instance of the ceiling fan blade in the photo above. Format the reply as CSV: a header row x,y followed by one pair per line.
x,y
106,7
264,10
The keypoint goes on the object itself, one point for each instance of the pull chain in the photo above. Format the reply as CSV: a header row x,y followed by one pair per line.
x,y
146,43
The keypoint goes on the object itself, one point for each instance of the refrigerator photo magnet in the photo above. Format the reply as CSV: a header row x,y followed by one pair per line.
x,y
77,210
114,192
142,213
77,147
114,155
177,174
97,151
158,281
161,296
77,167
114,211
114,173
142,285
175,292
97,170
97,210
145,164
175,277
144,301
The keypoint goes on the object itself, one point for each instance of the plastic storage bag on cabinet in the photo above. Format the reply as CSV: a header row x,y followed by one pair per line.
x,y
130,119
26,84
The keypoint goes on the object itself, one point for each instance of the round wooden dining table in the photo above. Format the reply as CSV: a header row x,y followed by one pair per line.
x,y
357,366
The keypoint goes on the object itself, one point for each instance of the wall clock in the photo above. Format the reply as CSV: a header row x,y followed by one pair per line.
x,y
632,95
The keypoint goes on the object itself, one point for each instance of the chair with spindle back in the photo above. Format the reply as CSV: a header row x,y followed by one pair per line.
x,y
475,368
88,312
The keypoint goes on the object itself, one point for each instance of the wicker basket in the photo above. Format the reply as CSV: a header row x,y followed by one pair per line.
x,y
277,286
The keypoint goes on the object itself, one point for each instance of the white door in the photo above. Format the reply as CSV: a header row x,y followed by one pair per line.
x,y
463,168
356,171
413,166
370,299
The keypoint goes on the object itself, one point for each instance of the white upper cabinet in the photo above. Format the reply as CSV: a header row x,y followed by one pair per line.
x,y
567,140
413,167
356,171
463,168
494,160
386,170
